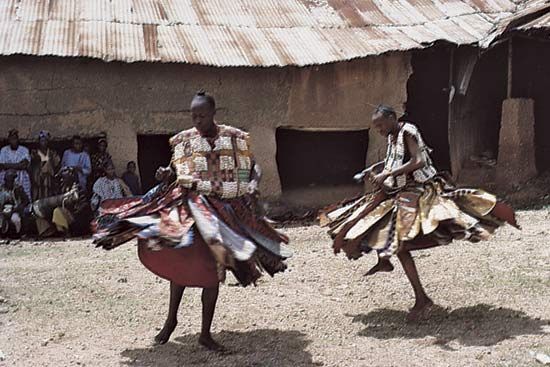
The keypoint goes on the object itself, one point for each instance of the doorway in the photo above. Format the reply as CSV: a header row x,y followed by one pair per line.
x,y
319,158
531,79
427,103
153,152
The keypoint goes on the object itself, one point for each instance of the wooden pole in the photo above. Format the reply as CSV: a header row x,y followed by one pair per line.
x,y
510,68
454,168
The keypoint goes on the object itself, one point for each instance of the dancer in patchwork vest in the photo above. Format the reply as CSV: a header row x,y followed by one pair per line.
x,y
201,220
413,208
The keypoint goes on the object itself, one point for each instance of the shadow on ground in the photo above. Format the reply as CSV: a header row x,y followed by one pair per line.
x,y
479,325
251,348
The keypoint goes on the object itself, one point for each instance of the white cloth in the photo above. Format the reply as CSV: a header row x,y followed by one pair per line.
x,y
16,220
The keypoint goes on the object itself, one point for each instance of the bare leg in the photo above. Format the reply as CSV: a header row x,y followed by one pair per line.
x,y
176,293
422,301
209,299
383,265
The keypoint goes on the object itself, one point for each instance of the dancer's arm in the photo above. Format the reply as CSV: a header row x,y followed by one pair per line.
x,y
416,161
255,178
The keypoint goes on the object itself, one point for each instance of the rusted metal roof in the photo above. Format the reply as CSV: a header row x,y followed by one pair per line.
x,y
532,15
241,32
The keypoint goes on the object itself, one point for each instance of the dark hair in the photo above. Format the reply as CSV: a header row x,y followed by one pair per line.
x,y
385,111
129,163
207,97
12,133
76,137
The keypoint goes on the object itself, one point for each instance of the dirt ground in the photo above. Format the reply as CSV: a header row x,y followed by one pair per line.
x,y
69,304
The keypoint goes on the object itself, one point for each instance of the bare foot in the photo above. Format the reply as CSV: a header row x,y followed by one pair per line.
x,y
165,333
211,344
383,265
420,310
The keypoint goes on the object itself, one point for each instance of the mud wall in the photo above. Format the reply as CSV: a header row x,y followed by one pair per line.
x,y
81,96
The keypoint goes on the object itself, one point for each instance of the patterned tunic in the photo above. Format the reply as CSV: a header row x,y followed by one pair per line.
x,y
106,189
8,155
395,157
220,167
192,230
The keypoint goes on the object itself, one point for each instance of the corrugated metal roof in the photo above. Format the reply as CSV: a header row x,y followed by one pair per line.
x,y
241,32
533,15
542,22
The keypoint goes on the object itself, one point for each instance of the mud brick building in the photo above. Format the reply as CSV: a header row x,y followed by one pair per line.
x,y
301,76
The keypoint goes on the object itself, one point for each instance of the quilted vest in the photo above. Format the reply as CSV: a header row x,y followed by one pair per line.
x,y
222,169
395,157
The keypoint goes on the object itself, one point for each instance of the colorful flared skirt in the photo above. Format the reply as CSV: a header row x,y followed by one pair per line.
x,y
192,239
418,216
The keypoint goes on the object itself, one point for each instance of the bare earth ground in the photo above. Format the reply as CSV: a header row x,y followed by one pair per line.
x,y
68,304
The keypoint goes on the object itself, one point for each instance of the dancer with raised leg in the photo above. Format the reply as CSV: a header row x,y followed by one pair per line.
x,y
414,207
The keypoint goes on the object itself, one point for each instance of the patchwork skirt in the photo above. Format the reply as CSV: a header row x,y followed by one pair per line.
x,y
416,217
192,239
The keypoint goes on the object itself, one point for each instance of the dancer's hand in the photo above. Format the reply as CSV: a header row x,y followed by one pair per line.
x,y
380,178
252,187
163,173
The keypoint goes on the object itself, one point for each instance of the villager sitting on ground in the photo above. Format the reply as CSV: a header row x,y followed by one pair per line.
x,y
77,158
64,214
191,230
414,208
45,164
16,157
108,187
131,178
13,204
100,160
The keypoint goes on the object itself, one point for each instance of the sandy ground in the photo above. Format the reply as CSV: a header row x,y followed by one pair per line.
x,y
69,304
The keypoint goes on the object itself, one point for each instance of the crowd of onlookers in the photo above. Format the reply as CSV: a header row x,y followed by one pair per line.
x,y
43,193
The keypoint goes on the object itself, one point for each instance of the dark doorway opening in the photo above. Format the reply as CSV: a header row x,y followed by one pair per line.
x,y
319,158
153,152
531,79
485,94
427,103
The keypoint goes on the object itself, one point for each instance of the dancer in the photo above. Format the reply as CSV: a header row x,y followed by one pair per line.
x,y
201,219
414,207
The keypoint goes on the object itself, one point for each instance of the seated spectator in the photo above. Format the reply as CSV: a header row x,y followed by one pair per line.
x,y
16,157
108,187
77,158
44,165
13,202
65,214
131,178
